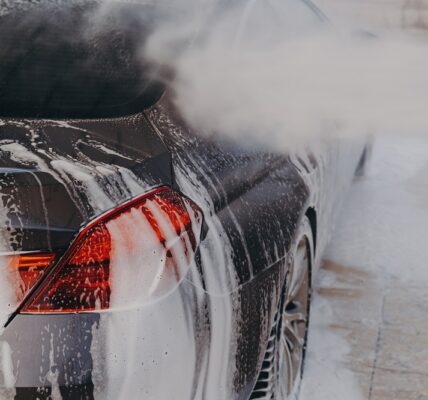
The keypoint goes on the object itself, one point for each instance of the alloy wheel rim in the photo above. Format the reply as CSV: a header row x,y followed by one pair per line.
x,y
294,322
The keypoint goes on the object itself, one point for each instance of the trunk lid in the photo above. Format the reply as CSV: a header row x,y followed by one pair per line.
x,y
55,176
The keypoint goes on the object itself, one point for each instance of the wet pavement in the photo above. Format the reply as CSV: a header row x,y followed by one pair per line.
x,y
369,330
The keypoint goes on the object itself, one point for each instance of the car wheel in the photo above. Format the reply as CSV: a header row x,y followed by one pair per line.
x,y
282,367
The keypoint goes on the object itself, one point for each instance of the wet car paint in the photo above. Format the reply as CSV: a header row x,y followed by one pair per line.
x,y
207,338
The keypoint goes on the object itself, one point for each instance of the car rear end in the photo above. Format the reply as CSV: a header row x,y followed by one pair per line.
x,y
95,244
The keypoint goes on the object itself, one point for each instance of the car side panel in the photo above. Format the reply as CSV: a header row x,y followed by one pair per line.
x,y
253,202
217,322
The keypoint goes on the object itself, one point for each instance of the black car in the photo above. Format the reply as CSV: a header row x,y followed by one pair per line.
x,y
138,259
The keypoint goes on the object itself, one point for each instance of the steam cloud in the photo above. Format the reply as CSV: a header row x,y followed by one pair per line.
x,y
269,73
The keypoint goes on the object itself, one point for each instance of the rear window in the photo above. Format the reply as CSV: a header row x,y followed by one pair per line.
x,y
75,59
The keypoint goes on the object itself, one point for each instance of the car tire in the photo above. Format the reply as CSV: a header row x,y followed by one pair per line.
x,y
282,368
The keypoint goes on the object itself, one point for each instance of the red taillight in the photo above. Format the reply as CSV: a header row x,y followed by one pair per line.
x,y
139,251
30,268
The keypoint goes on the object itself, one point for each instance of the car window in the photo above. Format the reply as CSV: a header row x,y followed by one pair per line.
x,y
57,60
71,59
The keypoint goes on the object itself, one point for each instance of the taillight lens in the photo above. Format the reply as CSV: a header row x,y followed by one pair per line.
x,y
130,256
26,270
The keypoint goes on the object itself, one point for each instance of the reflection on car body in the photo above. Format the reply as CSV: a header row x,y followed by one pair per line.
x,y
140,260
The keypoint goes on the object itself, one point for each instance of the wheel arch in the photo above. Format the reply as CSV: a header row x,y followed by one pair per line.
x,y
311,214
306,230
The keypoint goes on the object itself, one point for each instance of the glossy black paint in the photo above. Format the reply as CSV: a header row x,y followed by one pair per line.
x,y
262,191
259,198
30,339
133,144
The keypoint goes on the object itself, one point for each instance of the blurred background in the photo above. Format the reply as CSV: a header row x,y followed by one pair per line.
x,y
408,15
369,318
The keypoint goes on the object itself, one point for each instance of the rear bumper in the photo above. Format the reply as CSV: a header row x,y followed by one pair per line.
x,y
189,345
113,355
160,351
48,350
78,392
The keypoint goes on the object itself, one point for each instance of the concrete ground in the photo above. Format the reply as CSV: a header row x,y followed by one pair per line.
x,y
369,329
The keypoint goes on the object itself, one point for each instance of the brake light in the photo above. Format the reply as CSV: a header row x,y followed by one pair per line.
x,y
135,253
30,268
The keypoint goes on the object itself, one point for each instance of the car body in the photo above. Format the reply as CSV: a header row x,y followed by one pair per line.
x,y
63,171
